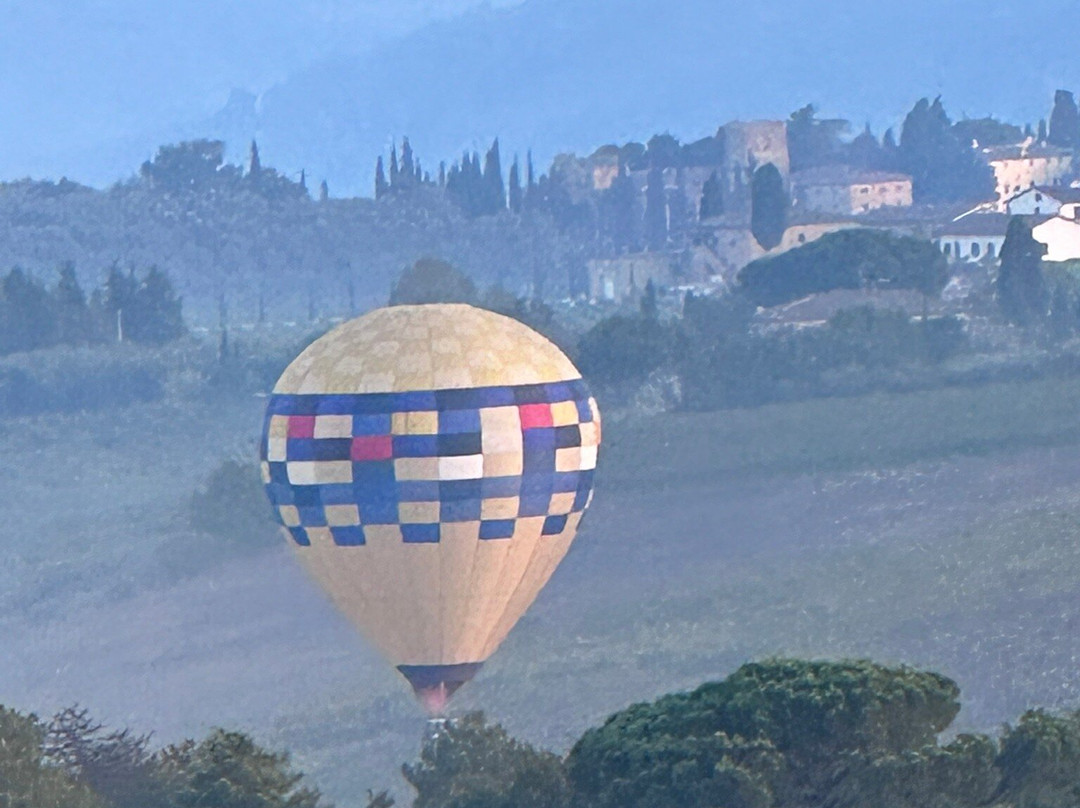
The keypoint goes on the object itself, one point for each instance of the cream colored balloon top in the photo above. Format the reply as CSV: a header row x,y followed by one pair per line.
x,y
430,347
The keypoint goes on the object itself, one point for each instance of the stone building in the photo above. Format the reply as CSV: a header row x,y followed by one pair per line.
x,y
845,190
1018,168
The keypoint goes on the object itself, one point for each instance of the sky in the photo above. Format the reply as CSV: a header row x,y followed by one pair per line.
x,y
90,88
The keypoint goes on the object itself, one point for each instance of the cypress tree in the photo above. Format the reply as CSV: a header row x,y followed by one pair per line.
x,y
514,192
406,171
324,191
1064,129
393,166
712,198
768,206
254,163
494,191
1040,136
1021,287
656,213
380,179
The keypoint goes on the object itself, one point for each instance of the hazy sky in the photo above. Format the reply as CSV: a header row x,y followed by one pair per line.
x,y
74,69
89,88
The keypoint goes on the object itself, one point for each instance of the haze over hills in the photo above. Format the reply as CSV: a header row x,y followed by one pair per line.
x,y
326,86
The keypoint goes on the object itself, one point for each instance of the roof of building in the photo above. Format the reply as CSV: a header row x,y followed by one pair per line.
x,y
1062,193
984,224
1021,151
845,175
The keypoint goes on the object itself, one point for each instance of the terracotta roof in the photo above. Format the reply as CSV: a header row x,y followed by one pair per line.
x,y
1021,152
1062,193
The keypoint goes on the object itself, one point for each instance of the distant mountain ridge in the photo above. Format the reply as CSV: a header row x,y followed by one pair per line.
x,y
561,75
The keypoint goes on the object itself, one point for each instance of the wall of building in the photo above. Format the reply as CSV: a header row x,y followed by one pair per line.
x,y
623,280
1033,202
1061,237
1015,175
970,248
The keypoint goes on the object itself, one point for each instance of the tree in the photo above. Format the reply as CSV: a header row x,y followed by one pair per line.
x,y
942,167
27,320
188,165
656,211
380,179
431,280
468,763
155,314
494,195
620,215
712,198
1040,761
623,350
254,163
768,206
229,770
28,779
324,191
865,152
1021,288
70,308
114,764
1040,134
987,131
515,193
847,259
812,141
1064,127
773,732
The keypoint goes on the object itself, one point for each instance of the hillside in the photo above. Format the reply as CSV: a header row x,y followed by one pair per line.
x,y
955,552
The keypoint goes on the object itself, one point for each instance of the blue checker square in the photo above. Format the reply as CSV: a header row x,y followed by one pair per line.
x,y
531,394
416,445
337,494
412,401
458,444
316,449
584,412
450,490
306,495
460,510
300,536
496,529
534,504
420,490
420,534
280,494
312,515
567,436
538,462
378,510
540,439
279,474
455,421
537,484
332,404
581,500
352,536
565,482
376,474
496,487
554,525
371,424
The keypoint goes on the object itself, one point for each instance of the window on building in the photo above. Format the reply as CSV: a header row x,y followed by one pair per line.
x,y
956,249
975,250
802,238
991,250
948,248
1038,197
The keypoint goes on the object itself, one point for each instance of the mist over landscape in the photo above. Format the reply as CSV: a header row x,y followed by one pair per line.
x,y
817,265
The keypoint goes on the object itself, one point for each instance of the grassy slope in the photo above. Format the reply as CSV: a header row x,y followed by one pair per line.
x,y
937,528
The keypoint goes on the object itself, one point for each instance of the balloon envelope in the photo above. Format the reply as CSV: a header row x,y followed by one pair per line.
x,y
431,465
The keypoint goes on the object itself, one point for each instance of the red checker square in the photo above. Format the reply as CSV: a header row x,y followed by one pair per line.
x,y
372,447
535,416
302,426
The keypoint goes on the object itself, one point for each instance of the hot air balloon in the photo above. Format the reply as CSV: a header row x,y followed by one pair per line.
x,y
431,464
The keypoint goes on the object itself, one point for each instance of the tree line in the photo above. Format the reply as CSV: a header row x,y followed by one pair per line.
x,y
129,307
775,734
782,733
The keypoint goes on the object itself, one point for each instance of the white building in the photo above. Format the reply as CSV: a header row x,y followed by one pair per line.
x,y
1017,168
973,237
1061,237
1049,201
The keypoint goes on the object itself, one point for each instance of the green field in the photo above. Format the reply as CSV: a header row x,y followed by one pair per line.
x,y
938,528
